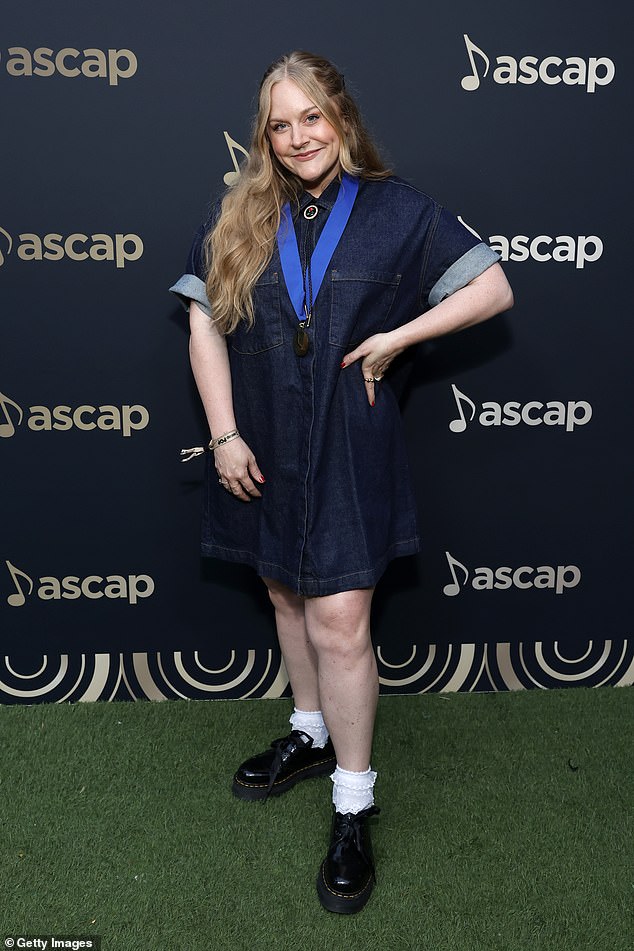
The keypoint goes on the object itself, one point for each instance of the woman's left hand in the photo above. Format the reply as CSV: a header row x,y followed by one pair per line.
x,y
376,353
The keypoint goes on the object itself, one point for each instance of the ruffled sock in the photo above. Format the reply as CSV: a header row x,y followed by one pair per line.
x,y
352,791
311,722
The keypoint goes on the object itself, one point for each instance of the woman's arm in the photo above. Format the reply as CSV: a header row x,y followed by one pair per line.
x,y
484,296
235,463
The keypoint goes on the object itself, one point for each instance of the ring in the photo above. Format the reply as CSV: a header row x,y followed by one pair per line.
x,y
377,379
370,380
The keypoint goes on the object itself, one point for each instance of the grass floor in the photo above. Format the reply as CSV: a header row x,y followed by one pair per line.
x,y
506,823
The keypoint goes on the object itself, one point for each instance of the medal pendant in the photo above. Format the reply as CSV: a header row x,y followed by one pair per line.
x,y
301,342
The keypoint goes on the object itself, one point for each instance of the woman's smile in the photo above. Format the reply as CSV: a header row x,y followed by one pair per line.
x,y
306,156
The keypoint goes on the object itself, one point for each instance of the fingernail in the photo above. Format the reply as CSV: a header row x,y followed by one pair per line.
x,y
343,363
372,403
262,479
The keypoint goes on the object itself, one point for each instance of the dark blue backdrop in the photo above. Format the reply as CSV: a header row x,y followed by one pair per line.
x,y
119,127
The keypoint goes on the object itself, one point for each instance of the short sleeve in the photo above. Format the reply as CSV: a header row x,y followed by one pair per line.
x,y
191,284
455,256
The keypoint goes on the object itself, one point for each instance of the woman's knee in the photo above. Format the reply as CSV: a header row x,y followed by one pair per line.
x,y
342,646
339,625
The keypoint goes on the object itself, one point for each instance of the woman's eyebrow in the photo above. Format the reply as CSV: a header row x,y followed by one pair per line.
x,y
302,113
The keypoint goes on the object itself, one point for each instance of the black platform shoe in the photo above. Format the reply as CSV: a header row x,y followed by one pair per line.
x,y
290,759
346,876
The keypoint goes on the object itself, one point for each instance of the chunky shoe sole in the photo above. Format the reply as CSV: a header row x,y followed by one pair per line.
x,y
252,792
339,903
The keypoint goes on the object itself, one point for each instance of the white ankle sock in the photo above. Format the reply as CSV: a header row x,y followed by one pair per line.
x,y
351,791
311,722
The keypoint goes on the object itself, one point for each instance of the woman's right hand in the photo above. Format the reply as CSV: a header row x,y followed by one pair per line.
x,y
237,470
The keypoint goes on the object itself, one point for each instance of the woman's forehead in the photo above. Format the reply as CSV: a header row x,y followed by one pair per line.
x,y
287,97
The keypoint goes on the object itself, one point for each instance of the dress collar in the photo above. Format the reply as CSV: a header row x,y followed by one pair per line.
x,y
325,201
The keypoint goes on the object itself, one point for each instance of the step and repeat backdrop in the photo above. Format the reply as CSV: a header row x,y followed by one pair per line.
x,y
120,125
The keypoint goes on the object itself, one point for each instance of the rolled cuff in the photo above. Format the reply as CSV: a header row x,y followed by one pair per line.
x,y
474,262
188,288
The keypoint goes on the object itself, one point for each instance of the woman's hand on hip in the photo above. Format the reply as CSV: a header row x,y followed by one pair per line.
x,y
376,353
237,470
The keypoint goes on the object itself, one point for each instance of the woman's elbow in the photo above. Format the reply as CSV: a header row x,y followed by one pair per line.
x,y
508,298
503,298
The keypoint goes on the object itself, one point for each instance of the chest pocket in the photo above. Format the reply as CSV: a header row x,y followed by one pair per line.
x,y
361,303
266,332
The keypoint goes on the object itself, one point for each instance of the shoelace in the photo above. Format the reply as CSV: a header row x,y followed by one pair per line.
x,y
283,747
348,829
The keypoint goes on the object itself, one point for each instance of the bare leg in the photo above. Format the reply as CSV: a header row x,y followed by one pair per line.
x,y
298,653
338,627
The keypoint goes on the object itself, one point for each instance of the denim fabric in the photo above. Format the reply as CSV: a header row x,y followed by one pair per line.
x,y
337,505
188,288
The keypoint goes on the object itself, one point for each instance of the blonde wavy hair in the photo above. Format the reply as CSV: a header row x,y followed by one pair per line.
x,y
241,243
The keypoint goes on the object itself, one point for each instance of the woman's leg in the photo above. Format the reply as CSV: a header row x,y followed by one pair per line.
x,y
338,628
298,653
306,751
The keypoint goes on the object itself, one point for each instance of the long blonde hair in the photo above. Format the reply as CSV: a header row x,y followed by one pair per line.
x,y
241,244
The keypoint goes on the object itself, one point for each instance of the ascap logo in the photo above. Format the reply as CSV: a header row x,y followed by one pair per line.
x,y
124,419
581,250
130,588
533,413
112,65
551,70
557,579
119,248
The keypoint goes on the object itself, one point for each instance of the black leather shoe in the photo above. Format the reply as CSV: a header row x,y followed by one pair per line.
x,y
290,759
346,876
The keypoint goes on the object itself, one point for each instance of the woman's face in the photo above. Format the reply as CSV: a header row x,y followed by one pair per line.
x,y
302,139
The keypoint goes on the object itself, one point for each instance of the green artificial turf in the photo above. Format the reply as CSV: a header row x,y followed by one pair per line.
x,y
506,824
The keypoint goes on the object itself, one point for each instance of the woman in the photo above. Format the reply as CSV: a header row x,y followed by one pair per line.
x,y
317,270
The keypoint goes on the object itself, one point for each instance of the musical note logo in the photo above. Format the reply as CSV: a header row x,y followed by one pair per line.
x,y
7,428
17,600
9,245
469,83
459,425
453,588
230,178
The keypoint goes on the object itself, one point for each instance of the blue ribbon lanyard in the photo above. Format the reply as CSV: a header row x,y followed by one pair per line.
x,y
320,258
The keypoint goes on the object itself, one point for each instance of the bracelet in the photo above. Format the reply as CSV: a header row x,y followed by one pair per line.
x,y
188,454
221,440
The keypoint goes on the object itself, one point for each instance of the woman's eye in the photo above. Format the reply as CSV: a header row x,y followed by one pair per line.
x,y
312,117
279,127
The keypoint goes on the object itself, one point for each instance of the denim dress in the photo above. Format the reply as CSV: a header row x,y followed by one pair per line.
x,y
337,504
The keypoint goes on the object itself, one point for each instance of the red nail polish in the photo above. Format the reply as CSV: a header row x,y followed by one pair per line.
x,y
372,403
262,479
343,363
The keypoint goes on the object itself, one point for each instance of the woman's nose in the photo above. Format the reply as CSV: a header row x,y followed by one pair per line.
x,y
298,136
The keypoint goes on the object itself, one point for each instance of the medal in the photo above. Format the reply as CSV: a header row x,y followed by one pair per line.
x,y
301,342
320,258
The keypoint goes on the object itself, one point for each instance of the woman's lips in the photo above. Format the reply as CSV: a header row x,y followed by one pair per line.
x,y
306,156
